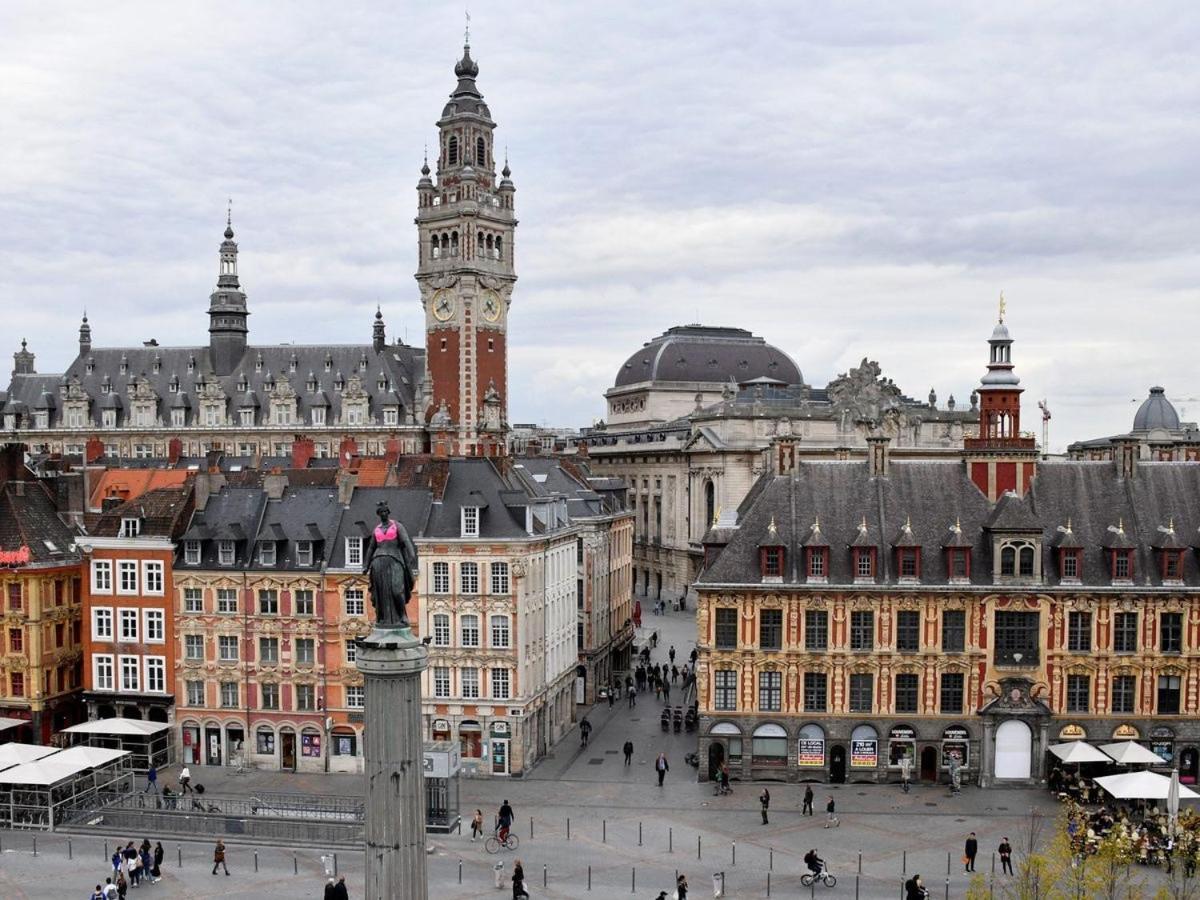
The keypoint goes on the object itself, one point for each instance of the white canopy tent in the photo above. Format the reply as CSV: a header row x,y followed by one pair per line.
x,y
14,754
1128,753
1141,785
149,742
7,722
1078,752
40,792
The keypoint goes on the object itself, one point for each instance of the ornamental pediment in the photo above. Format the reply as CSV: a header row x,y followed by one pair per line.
x,y
354,389
283,390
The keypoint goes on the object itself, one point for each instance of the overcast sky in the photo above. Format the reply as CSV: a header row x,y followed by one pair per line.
x,y
845,179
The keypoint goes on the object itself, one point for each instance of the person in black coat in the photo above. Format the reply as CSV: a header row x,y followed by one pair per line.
x,y
970,850
339,889
518,880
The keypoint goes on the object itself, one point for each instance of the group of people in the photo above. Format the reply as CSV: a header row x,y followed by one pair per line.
x,y
1149,834
660,678
1072,786
132,866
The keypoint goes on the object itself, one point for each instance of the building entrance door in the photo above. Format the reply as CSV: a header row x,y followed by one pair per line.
x,y
287,746
716,756
212,746
929,764
499,756
837,764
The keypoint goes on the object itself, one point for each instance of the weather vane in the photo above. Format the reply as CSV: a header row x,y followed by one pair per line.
x,y
467,30
229,213
1003,306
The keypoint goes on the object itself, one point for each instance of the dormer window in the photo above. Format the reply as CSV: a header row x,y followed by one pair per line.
x,y
818,562
958,564
311,384
191,364
131,527
173,384
1018,559
191,553
258,363
1121,564
328,362
338,382
864,563
243,385
470,521
771,560
908,562
225,553
304,553
1070,563
266,553
1172,565
382,383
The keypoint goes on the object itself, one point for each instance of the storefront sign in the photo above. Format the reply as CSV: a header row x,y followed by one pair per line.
x,y
1165,749
441,725
1072,733
812,752
1125,733
310,745
864,754
500,728
18,557
1162,732
903,733
956,733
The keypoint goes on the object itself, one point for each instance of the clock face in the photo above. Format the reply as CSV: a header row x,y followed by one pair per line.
x,y
443,305
491,305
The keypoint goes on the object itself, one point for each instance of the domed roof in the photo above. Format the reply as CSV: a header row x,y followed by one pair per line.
x,y
691,353
1156,411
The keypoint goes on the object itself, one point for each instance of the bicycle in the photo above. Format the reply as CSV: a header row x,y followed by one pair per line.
x,y
493,844
825,877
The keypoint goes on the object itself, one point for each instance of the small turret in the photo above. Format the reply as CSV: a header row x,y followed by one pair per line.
x,y
85,337
23,361
378,333
227,310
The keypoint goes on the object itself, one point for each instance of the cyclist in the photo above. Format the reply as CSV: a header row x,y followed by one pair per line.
x,y
504,820
585,730
815,864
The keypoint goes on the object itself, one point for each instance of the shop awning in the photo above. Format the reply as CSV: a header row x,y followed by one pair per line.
x,y
118,726
1127,753
1078,752
1142,786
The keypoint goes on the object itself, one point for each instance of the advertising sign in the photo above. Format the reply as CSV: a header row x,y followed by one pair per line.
x,y
864,754
812,752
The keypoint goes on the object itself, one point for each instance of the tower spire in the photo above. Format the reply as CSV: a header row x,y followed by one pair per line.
x,y
227,311
85,335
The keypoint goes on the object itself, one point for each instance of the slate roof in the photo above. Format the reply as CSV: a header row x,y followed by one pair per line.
x,y
934,495
29,518
233,513
127,484
301,514
408,506
690,353
164,512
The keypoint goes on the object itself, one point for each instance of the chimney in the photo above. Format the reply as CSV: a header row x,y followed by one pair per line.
x,y
303,450
785,455
878,455
345,486
346,449
274,485
207,484
93,450
393,451
174,450
12,463
1125,455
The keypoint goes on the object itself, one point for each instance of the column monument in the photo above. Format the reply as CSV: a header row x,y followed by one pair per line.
x,y
392,659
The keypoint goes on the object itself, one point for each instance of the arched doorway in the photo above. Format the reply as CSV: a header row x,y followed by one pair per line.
x,y
837,764
929,764
287,749
728,737
716,756
1014,750
1189,765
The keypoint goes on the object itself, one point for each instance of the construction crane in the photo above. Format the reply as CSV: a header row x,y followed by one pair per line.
x,y
1045,427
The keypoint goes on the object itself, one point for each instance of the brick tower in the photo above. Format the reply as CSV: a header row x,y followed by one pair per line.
x,y
465,224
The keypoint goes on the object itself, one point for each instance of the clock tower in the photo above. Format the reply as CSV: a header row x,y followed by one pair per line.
x,y
465,224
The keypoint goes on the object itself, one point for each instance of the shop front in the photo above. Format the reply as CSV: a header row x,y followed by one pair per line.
x,y
902,745
769,751
810,754
956,745
1162,743
501,737
864,753
725,745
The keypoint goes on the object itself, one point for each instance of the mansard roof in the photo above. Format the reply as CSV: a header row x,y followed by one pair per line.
x,y
930,494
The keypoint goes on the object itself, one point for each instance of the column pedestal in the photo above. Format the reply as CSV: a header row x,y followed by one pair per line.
x,y
393,751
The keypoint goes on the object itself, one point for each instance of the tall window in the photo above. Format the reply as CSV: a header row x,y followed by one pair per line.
x,y
862,692
469,627
1079,632
101,577
193,647
102,672
304,602
1124,692
500,632
816,630
129,624
862,629
129,673
227,647
225,553
195,693
441,577
156,674
127,579
354,602
304,553
270,695
227,601
908,688
441,630
770,629
306,651
152,573
725,689
772,562
500,685
909,562
306,700
1016,638
480,153
1078,693
268,602
355,696
154,622
951,701
470,521
268,650
1168,695
193,600
864,563
1125,632
468,577
727,628
354,549
441,681
102,623
954,630
500,578
229,694
816,692
908,631
1070,564
470,683
1171,628
770,691
452,151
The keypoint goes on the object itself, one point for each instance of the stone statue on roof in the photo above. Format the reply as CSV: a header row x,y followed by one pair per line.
x,y
863,396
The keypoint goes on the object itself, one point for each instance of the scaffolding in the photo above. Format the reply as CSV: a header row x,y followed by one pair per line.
x,y
44,792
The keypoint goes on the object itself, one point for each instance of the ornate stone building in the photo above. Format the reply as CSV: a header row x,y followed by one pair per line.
x,y
856,612
156,401
693,413
1157,430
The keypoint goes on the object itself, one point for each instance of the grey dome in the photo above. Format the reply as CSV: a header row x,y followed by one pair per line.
x,y
700,353
1156,411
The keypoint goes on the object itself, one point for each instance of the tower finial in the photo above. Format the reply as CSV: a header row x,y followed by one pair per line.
x,y
467,30
1003,306
229,220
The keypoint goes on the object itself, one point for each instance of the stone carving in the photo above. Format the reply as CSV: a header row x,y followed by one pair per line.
x,y
862,395
391,563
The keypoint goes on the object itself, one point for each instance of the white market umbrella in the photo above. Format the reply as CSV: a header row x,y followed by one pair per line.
x,y
1128,753
1078,752
1142,786
1173,802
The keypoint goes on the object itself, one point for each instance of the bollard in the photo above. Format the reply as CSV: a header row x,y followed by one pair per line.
x,y
812,888
35,845
604,831
633,880
859,862
568,828
697,846
106,853
639,834
856,877
771,859
768,883
180,850
70,854
296,866
904,865
589,878
335,865
733,853
255,860
531,828
671,841
460,870
947,887
993,863
543,874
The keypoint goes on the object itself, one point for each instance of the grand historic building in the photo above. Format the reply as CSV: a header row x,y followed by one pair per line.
x,y
692,414
146,400
856,612
1157,429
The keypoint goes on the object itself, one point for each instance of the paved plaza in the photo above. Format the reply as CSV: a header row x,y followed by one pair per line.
x,y
631,834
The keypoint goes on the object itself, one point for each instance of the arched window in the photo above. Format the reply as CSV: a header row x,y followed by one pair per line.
x,y
445,243
481,242
433,246
1026,561
710,503
1008,560
452,151
499,248
454,243
480,152
489,244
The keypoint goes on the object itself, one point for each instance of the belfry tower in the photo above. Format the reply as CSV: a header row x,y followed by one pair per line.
x,y
465,224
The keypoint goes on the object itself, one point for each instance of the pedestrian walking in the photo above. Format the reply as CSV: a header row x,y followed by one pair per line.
x,y
970,851
518,880
122,887
807,808
831,814
339,889
681,887
693,656
97,894
674,674
159,853
905,772
671,653
662,767
330,888
666,691
185,780
585,730
151,779
628,751
764,801
219,857
477,825
632,697
914,889
1005,850
657,688
612,694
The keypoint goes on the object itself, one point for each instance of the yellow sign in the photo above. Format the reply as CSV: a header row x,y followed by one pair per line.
x,y
1126,733
1072,733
